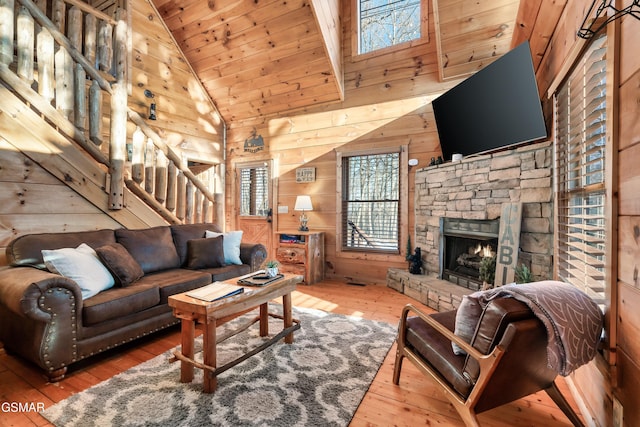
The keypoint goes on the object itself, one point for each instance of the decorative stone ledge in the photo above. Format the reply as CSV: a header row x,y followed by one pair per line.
x,y
430,291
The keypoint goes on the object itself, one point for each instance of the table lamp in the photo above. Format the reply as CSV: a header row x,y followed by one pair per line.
x,y
303,203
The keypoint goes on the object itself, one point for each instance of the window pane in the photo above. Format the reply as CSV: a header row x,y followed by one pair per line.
x,y
254,191
371,193
385,23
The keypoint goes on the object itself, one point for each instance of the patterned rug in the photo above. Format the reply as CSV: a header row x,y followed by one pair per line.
x,y
319,380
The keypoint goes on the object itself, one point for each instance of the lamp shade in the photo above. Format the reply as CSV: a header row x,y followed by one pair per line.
x,y
303,203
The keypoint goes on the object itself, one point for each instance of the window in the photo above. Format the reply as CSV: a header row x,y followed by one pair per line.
x,y
581,124
370,201
254,190
385,23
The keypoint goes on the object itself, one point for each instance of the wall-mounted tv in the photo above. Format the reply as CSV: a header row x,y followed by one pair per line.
x,y
497,107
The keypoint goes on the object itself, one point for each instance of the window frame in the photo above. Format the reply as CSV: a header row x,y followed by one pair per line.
x,y
403,206
611,178
355,33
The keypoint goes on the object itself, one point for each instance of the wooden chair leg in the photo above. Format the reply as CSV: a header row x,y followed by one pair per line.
x,y
397,366
468,416
555,395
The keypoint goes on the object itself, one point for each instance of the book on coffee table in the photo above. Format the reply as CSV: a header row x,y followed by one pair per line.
x,y
215,291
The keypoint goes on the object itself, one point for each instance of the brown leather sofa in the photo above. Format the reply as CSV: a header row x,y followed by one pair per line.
x,y
44,319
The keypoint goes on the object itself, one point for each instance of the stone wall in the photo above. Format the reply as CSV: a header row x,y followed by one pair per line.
x,y
476,188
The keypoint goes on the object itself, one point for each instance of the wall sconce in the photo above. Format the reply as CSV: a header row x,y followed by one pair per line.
x,y
600,20
303,203
152,107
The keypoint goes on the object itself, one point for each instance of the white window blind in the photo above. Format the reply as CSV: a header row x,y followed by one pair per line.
x,y
254,191
580,172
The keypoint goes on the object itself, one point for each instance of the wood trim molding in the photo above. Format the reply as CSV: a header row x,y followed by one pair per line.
x,y
576,51
404,204
354,32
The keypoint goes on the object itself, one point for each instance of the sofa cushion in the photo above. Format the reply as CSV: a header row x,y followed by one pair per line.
x,y
152,248
231,243
227,272
124,269
182,233
205,253
81,265
26,250
118,302
175,281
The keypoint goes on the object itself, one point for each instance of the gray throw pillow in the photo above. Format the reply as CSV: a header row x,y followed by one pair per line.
x,y
467,318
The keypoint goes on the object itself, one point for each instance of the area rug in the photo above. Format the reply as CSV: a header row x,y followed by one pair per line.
x,y
319,380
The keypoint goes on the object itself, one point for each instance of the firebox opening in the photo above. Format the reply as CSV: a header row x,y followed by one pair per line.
x,y
463,257
464,243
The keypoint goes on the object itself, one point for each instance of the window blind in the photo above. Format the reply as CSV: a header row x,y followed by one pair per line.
x,y
580,173
254,191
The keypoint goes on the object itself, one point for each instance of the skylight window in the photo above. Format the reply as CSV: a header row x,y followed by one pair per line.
x,y
386,23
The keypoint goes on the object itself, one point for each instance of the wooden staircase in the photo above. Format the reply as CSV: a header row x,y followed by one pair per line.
x,y
63,104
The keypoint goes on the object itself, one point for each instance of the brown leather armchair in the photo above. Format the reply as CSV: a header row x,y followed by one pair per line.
x,y
506,358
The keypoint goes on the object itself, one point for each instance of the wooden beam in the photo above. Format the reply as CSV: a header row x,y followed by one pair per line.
x,y
117,145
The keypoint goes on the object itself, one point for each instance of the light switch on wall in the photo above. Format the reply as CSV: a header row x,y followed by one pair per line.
x,y
283,209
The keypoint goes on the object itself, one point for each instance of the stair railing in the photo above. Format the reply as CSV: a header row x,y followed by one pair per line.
x,y
75,60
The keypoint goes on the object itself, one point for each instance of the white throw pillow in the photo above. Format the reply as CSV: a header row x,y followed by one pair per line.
x,y
81,265
231,245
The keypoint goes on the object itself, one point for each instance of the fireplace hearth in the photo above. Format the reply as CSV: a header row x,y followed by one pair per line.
x,y
463,245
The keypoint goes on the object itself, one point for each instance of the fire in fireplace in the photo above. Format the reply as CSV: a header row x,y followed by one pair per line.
x,y
463,245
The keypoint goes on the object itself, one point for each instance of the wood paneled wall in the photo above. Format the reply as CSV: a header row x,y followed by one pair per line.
x,y
187,117
600,382
627,380
34,201
387,103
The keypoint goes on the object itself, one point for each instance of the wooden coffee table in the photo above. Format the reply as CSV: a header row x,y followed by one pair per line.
x,y
192,311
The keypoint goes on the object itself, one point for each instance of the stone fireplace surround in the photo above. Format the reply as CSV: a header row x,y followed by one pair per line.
x,y
475,188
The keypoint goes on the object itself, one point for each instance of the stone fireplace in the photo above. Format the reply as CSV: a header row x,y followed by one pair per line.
x,y
458,206
464,243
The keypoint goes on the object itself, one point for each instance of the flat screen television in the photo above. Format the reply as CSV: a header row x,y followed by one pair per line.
x,y
497,107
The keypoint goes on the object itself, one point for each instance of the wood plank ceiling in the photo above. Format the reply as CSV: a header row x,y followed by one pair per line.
x,y
254,58
265,57
472,34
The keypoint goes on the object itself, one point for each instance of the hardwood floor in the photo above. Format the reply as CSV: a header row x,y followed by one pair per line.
x,y
416,401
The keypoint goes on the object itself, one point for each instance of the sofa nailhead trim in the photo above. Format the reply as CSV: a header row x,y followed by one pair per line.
x,y
52,324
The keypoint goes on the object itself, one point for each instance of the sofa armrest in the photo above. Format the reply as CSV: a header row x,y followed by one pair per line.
x,y
40,312
22,287
253,254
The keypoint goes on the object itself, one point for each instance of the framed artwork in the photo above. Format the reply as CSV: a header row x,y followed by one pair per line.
x,y
305,174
